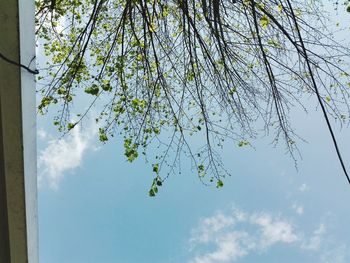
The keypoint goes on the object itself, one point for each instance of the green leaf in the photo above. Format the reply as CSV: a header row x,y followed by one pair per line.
x,y
93,90
243,143
103,136
156,168
61,91
264,21
201,170
155,189
106,85
219,184
151,193
71,126
159,182
232,91
130,150
45,101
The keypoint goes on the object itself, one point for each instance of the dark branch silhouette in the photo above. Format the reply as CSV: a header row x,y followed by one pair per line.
x,y
167,69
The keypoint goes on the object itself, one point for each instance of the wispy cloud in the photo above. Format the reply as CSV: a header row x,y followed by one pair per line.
x,y
304,188
41,133
229,247
62,156
314,243
237,234
299,209
229,237
339,254
273,230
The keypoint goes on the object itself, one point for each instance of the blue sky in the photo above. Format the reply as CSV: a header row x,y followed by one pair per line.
x,y
94,206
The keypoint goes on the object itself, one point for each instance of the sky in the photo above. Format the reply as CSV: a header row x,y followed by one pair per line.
x,y
94,206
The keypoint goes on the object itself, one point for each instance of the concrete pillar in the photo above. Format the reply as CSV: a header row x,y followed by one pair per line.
x,y
18,192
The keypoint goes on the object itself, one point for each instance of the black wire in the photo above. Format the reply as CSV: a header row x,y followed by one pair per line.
x,y
318,93
19,65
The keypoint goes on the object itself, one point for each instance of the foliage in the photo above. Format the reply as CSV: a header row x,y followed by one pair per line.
x,y
168,69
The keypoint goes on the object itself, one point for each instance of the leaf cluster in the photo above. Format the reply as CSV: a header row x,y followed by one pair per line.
x,y
166,70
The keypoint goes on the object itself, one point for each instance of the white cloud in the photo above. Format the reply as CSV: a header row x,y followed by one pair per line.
x,y
229,237
316,239
339,254
64,155
42,134
304,188
273,230
230,247
209,226
231,242
299,209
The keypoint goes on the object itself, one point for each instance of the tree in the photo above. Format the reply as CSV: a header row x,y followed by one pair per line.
x,y
168,69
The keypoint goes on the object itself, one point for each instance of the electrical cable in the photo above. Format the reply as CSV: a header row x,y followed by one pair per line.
x,y
35,72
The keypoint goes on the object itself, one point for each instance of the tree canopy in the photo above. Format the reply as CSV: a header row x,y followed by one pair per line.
x,y
165,70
